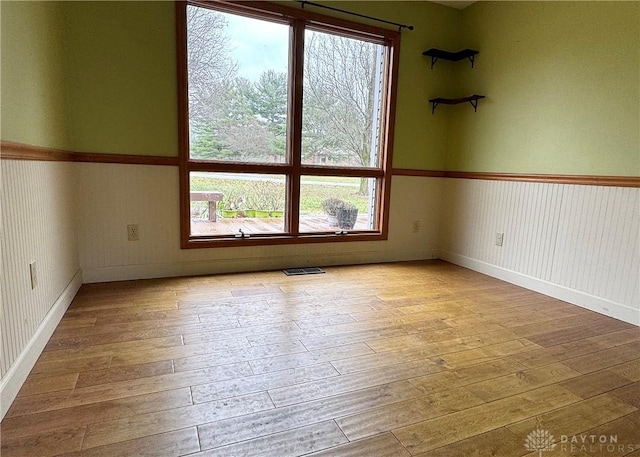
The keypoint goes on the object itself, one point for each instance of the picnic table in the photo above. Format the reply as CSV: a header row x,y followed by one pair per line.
x,y
212,197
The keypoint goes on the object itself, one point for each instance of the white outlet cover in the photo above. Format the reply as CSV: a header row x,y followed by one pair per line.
x,y
133,232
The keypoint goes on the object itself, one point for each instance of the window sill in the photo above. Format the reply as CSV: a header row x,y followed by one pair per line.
x,y
204,242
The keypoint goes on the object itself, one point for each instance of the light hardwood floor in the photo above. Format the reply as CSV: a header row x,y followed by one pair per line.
x,y
422,358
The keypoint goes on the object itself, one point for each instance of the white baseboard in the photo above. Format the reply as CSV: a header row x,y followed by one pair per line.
x,y
233,265
12,381
591,302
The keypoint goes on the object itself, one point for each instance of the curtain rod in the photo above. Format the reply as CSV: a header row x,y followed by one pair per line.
x,y
400,26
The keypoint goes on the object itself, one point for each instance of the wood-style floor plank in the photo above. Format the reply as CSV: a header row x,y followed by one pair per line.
x,y
522,381
48,421
298,441
480,419
605,359
123,389
100,434
496,443
451,379
347,383
42,383
630,370
261,382
385,445
407,359
179,442
400,414
625,429
44,444
109,375
576,418
629,394
280,419
72,366
595,383
283,362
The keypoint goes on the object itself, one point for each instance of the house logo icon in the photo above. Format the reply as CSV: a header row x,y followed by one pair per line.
x,y
540,440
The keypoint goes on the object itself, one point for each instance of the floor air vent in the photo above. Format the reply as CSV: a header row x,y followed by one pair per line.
x,y
303,271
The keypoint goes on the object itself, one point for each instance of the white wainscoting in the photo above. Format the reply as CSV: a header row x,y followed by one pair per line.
x,y
38,224
577,243
114,195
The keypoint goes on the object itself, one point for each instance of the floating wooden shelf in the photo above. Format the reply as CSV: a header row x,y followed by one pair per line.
x,y
436,54
473,100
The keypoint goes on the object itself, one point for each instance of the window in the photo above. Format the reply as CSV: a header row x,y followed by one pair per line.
x,y
285,125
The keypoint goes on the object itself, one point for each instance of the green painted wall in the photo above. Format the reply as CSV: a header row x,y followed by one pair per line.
x,y
562,81
90,76
420,138
32,77
121,72
119,61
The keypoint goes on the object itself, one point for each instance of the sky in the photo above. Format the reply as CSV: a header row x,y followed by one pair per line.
x,y
272,53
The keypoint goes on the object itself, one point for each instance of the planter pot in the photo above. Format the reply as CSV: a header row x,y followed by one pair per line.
x,y
250,213
332,220
347,218
276,213
228,213
262,214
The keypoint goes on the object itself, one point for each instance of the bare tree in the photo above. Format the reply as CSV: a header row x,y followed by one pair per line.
x,y
249,140
230,117
211,68
339,97
234,118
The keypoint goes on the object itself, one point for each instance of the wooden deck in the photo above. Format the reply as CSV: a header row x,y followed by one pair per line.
x,y
424,359
265,225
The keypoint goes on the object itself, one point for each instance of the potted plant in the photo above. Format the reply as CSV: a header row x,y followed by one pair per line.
x,y
232,205
347,216
331,207
250,204
273,193
255,201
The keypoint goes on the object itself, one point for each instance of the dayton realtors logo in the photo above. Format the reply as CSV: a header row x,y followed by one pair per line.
x,y
595,444
542,440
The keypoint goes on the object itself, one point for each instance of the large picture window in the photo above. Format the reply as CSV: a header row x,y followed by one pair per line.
x,y
286,122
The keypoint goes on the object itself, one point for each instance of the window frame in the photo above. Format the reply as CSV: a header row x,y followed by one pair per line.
x,y
294,169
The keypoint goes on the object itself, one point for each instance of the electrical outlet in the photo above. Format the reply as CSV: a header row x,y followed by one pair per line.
x,y
133,233
499,239
416,226
33,274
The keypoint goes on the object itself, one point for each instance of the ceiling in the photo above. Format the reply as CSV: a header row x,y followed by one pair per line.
x,y
459,4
